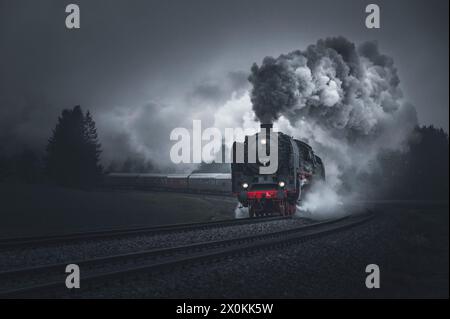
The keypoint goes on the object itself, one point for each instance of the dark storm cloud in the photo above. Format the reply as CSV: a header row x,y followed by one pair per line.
x,y
175,53
209,91
333,82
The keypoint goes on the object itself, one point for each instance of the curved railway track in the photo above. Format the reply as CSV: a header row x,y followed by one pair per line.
x,y
48,278
112,233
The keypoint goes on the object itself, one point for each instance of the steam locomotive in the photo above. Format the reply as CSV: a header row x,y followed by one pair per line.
x,y
276,193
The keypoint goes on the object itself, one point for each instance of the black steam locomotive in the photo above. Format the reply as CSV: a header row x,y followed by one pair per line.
x,y
275,193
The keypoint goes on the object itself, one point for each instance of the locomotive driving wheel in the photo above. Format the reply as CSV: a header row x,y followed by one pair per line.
x,y
251,211
282,209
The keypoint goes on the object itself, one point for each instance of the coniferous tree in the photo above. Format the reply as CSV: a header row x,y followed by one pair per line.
x,y
93,168
73,150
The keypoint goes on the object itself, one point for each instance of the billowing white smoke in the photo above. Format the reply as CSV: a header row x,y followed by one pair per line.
x,y
322,202
241,211
345,101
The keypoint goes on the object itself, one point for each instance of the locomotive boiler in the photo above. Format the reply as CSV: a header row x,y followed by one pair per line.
x,y
280,191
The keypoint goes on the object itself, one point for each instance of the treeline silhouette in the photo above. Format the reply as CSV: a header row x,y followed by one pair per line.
x,y
72,155
72,158
25,167
420,173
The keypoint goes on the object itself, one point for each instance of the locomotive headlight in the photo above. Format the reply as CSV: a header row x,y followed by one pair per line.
x,y
263,141
281,184
244,185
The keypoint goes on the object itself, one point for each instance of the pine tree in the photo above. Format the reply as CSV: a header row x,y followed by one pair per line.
x,y
73,150
93,168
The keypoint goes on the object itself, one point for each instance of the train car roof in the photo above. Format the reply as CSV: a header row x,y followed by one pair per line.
x,y
178,176
211,175
152,175
224,176
123,174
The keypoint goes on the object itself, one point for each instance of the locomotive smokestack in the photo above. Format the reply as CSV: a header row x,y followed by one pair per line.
x,y
267,126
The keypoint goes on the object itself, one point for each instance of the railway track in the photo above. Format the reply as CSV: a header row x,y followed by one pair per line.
x,y
111,233
32,282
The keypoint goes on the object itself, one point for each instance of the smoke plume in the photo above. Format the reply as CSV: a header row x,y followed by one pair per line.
x,y
344,100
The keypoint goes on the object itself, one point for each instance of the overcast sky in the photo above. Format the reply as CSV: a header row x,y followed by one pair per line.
x,y
141,63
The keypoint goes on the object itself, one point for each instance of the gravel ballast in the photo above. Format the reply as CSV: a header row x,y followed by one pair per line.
x,y
36,256
413,261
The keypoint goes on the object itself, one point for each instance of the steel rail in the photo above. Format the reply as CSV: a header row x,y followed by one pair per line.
x,y
188,254
109,233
